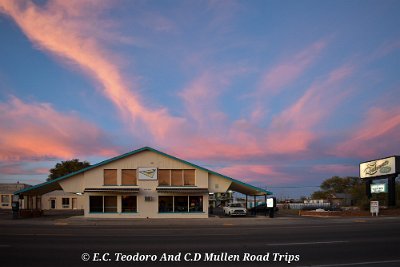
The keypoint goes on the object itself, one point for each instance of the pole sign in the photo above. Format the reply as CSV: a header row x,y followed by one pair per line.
x,y
374,207
378,188
379,167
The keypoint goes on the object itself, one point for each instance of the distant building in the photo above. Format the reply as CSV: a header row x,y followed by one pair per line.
x,y
341,199
60,200
7,191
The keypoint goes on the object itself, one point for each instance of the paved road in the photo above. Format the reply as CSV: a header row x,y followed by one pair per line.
x,y
304,242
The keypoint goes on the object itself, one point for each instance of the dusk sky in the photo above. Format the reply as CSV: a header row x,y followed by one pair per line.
x,y
282,94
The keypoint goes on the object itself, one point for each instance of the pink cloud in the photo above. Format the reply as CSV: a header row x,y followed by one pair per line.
x,y
74,34
18,168
36,130
200,99
71,31
290,69
256,173
293,129
336,169
386,49
291,132
376,134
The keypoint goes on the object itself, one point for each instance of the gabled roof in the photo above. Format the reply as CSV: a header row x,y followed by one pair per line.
x,y
52,182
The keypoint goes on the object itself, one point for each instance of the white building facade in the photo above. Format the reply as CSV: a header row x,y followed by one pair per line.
x,y
144,183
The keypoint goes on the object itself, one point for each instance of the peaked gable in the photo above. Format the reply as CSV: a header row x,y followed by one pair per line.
x,y
102,163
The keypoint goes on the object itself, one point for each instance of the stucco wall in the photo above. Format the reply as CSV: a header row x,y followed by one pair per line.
x,y
218,184
94,178
57,196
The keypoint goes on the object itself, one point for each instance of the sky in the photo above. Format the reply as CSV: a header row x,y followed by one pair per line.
x,y
279,94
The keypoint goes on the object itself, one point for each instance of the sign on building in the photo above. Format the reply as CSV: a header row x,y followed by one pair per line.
x,y
378,188
147,173
378,167
270,203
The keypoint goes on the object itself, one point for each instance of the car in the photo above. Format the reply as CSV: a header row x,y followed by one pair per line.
x,y
261,208
235,209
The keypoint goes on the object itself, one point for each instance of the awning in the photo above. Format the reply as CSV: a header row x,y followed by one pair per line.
x,y
181,189
247,189
40,189
112,190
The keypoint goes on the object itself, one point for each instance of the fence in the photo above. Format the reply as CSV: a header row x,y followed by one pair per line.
x,y
299,206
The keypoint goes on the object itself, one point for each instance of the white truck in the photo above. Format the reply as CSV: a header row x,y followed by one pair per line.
x,y
235,209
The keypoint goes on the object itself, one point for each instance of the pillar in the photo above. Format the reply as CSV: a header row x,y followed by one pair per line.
x,y
265,203
368,183
255,210
392,191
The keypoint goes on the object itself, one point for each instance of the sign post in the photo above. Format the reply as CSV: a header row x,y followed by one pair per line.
x,y
374,207
386,168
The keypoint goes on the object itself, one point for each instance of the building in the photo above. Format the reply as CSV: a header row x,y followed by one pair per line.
x,y
7,191
60,200
144,183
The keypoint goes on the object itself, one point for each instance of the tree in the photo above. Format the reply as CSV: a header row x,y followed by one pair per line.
x,y
338,184
319,195
67,167
334,185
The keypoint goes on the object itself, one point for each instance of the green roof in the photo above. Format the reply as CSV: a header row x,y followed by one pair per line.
x,y
133,153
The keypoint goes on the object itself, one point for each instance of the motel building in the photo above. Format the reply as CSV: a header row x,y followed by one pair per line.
x,y
144,183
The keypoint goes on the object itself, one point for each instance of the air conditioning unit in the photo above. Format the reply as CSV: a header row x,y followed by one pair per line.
x,y
148,198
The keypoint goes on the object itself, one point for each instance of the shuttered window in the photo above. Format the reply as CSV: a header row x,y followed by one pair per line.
x,y
110,177
176,177
128,177
164,177
188,177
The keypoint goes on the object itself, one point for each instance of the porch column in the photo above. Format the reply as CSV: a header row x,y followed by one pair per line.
x,y
255,210
265,202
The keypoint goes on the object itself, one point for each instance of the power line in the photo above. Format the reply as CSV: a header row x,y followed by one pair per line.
x,y
303,186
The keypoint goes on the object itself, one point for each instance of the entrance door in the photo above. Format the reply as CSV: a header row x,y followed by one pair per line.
x,y
74,203
52,203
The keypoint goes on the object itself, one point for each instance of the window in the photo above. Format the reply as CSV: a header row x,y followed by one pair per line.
x,y
110,204
129,203
176,177
195,204
188,177
5,200
165,204
96,203
164,177
65,203
181,204
110,177
129,177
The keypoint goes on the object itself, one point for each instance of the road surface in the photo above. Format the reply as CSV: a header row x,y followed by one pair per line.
x,y
226,242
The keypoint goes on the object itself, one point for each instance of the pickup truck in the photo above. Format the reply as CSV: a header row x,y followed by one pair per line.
x,y
235,209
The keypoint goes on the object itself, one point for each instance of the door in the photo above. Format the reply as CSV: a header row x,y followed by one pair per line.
x,y
74,203
52,203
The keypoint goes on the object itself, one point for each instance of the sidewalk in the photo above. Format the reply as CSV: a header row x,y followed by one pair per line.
x,y
257,221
